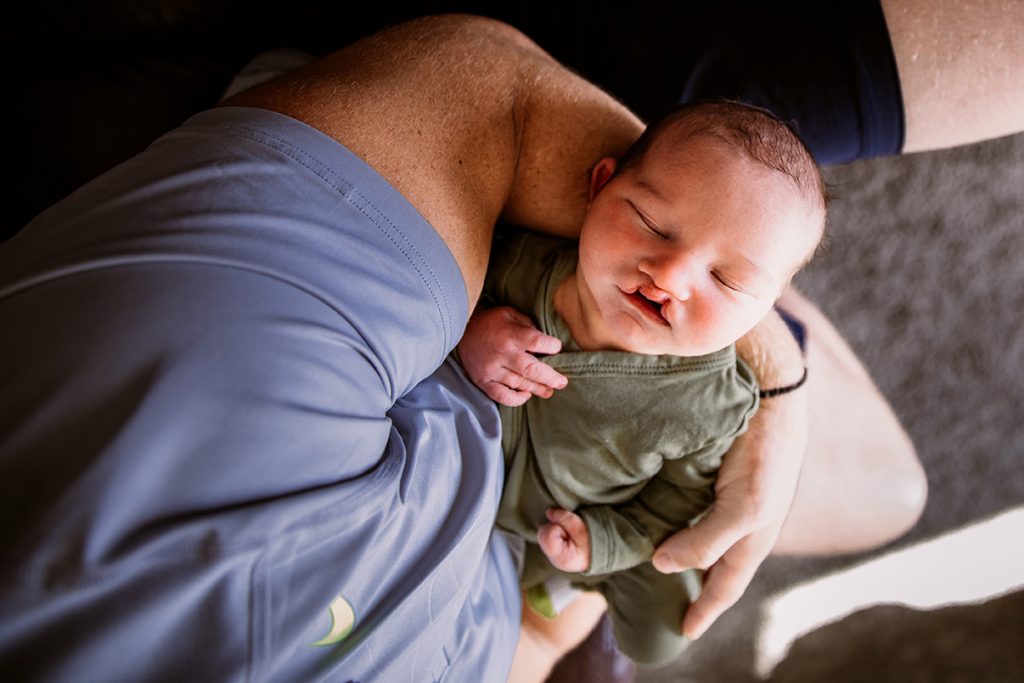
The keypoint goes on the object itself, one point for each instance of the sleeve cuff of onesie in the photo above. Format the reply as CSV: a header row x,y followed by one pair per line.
x,y
608,553
597,528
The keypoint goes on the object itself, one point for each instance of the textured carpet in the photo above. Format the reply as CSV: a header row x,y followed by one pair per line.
x,y
924,276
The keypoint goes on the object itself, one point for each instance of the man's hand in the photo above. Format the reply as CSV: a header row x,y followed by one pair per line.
x,y
497,353
754,491
565,541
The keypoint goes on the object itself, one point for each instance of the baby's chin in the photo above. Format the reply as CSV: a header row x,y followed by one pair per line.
x,y
636,336
687,349
691,351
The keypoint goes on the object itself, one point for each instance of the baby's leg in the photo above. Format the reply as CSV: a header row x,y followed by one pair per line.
x,y
647,608
542,642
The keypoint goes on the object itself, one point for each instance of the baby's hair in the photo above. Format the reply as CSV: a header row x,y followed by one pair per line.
x,y
757,133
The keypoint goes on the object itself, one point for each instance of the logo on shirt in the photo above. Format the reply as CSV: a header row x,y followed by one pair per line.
x,y
343,618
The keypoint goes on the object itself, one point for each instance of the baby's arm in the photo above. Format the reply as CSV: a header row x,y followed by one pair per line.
x,y
625,535
497,351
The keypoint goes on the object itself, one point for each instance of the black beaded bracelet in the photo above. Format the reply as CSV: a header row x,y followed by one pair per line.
x,y
778,391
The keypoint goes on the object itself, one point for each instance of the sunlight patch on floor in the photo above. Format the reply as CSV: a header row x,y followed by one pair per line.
x,y
970,565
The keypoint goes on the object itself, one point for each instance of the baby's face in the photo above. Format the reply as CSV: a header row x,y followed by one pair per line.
x,y
685,252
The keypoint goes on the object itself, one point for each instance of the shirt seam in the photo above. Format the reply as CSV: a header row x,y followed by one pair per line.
x,y
349,190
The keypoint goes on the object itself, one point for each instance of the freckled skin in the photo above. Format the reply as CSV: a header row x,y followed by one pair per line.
x,y
469,120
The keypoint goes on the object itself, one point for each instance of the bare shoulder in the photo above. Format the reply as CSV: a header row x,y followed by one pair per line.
x,y
416,102
467,118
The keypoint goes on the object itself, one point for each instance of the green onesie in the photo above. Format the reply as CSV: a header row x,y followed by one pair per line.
x,y
632,445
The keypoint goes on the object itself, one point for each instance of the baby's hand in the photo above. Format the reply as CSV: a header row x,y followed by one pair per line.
x,y
565,541
497,353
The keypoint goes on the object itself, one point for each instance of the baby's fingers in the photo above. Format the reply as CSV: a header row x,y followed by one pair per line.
x,y
537,373
542,343
506,396
518,382
562,548
512,389
532,339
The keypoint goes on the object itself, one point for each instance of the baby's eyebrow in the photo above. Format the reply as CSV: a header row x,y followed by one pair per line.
x,y
755,270
748,266
650,189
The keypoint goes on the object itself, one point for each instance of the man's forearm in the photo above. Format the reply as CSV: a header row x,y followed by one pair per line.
x,y
772,353
779,430
781,425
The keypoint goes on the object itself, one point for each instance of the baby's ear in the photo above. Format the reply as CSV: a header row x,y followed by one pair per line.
x,y
602,172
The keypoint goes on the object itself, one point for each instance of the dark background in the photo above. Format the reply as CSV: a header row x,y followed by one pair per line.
x,y
90,83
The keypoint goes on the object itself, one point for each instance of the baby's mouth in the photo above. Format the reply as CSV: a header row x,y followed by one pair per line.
x,y
654,310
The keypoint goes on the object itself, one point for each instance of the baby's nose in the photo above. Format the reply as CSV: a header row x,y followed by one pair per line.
x,y
674,274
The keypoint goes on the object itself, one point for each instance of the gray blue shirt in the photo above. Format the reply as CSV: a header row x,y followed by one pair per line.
x,y
230,446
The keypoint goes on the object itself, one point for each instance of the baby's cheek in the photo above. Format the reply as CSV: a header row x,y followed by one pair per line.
x,y
723,323
747,318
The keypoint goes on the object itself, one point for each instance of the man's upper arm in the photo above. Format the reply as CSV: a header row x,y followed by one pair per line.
x,y
468,119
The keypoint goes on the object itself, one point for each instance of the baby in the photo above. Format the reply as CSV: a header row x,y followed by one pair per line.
x,y
687,242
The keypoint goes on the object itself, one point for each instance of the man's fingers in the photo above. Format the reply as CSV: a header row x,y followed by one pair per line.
x,y
724,584
701,545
